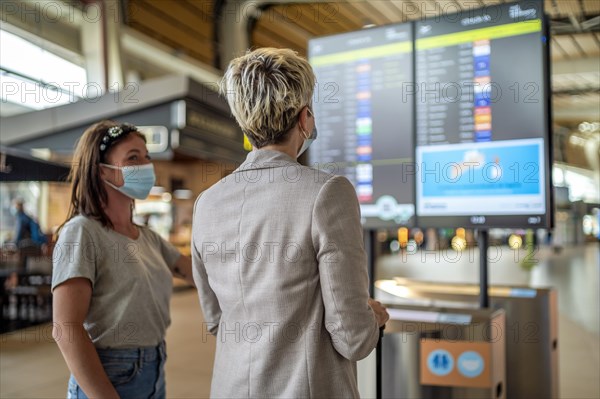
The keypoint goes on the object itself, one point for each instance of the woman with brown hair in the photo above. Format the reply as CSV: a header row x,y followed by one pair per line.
x,y
111,278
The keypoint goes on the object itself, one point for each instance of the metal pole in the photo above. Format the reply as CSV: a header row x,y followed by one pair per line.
x,y
483,241
370,245
371,259
379,371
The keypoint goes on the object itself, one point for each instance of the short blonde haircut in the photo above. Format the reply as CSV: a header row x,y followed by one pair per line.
x,y
266,90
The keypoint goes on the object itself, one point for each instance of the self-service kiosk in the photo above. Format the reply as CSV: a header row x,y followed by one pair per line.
x,y
531,334
432,352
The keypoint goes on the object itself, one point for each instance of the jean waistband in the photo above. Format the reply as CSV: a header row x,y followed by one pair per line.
x,y
145,353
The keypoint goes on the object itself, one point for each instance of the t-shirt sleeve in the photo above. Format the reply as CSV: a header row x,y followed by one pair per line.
x,y
74,255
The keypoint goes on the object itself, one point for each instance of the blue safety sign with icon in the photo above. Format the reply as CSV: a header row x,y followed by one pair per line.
x,y
470,364
440,362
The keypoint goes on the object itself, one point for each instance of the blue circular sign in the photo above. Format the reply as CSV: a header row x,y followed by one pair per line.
x,y
440,362
470,364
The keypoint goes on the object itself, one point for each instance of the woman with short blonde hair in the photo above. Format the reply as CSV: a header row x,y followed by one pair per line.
x,y
277,249
266,90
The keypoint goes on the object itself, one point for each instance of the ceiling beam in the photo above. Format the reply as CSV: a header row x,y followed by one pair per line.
x,y
576,113
152,51
570,25
575,92
234,24
580,65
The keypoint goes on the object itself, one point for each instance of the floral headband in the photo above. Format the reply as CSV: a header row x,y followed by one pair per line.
x,y
114,133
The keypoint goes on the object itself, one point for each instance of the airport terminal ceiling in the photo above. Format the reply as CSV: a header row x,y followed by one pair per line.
x,y
192,29
189,25
189,28
188,31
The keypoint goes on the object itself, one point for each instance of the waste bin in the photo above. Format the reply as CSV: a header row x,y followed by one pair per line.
x,y
531,326
431,352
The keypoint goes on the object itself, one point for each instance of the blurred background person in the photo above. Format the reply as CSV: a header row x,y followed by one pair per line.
x,y
28,237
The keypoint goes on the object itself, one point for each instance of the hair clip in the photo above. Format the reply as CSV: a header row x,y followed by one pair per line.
x,y
114,132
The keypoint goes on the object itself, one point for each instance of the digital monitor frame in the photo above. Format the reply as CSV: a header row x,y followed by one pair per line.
x,y
364,116
483,119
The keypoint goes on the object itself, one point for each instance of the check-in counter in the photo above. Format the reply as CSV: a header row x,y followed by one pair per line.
x,y
431,352
531,326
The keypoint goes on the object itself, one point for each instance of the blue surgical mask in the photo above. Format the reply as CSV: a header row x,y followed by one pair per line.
x,y
138,180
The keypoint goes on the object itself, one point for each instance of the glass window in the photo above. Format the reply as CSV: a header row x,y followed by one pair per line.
x,y
34,78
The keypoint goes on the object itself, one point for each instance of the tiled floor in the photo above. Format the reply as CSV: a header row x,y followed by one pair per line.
x,y
32,367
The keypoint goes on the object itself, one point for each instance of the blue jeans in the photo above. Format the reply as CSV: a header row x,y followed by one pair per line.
x,y
135,373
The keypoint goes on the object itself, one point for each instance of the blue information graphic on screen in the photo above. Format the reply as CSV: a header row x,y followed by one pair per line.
x,y
364,115
481,178
482,118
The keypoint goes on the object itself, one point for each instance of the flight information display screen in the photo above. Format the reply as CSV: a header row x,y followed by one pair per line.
x,y
364,115
482,131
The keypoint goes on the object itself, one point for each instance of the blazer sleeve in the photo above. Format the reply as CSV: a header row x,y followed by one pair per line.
x,y
208,299
337,237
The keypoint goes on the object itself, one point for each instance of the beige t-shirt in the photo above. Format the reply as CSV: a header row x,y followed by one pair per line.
x,y
131,282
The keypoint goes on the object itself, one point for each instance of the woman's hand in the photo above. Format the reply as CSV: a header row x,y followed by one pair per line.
x,y
183,269
380,312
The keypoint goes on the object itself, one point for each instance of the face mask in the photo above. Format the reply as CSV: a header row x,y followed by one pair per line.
x,y
13,211
138,180
308,141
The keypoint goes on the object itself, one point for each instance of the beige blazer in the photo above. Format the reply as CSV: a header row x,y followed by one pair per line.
x,y
281,271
